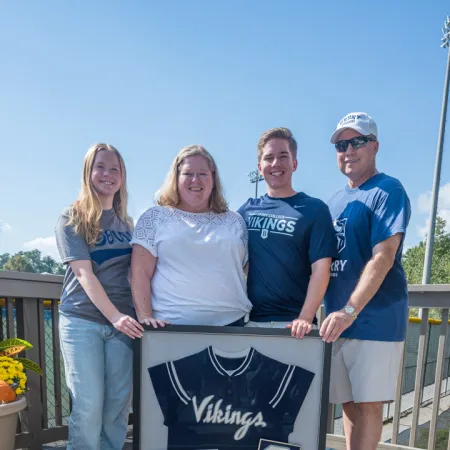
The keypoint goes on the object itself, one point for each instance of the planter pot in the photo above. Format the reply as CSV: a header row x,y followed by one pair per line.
x,y
8,422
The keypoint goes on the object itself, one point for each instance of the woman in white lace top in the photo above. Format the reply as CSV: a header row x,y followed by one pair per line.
x,y
190,251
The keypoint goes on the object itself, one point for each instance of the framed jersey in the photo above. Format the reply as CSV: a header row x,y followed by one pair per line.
x,y
227,388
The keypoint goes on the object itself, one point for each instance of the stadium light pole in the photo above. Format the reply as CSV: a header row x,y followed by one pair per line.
x,y
255,177
437,170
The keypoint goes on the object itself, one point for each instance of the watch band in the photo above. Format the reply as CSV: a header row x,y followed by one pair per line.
x,y
350,311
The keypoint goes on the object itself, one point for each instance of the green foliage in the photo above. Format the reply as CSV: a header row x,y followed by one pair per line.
x,y
413,259
17,345
30,261
14,342
4,259
441,439
30,365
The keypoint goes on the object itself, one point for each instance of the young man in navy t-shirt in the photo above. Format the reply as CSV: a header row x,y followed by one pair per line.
x,y
291,242
367,299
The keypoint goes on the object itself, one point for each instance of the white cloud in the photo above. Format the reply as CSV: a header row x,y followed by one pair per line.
x,y
46,245
4,227
424,201
424,205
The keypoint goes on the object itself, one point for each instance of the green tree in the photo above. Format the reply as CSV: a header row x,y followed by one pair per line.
x,y
413,261
19,263
30,261
4,259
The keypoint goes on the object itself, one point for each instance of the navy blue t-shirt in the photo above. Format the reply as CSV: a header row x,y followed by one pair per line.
x,y
286,236
363,217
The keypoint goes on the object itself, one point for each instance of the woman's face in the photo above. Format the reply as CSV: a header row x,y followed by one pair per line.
x,y
195,184
106,174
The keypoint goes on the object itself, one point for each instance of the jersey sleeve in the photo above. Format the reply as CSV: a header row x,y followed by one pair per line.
x,y
242,211
291,392
323,242
71,246
146,229
391,215
168,389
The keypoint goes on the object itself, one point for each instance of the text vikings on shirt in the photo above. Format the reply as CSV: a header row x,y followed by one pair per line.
x,y
286,236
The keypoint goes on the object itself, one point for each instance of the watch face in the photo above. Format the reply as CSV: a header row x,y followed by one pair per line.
x,y
350,309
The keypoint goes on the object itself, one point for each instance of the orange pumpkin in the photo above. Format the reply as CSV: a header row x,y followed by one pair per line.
x,y
7,394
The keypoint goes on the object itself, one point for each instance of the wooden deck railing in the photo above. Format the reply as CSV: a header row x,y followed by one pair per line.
x,y
29,310
27,298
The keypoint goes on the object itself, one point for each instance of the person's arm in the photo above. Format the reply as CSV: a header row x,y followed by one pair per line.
x,y
74,251
143,265
318,283
82,270
322,248
373,275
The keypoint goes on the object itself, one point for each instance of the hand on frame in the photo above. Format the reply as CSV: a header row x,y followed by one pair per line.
x,y
127,325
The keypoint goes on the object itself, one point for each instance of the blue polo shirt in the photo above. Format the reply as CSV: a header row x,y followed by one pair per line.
x,y
286,236
364,217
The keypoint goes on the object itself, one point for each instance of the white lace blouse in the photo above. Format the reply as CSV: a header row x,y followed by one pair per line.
x,y
199,277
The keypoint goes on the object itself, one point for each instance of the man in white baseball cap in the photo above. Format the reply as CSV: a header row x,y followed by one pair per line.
x,y
366,302
360,122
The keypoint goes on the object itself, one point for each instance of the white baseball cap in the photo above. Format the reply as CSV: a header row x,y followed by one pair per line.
x,y
358,121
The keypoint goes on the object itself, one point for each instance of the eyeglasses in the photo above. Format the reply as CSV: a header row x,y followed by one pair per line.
x,y
357,142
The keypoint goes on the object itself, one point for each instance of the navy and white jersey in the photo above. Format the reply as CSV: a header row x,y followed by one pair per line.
x,y
286,236
363,217
217,400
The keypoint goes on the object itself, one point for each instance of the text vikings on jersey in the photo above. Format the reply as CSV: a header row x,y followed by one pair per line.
x,y
214,399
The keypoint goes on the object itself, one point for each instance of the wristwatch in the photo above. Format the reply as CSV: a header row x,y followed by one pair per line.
x,y
350,311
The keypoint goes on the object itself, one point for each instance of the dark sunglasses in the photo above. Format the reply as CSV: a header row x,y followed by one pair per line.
x,y
357,142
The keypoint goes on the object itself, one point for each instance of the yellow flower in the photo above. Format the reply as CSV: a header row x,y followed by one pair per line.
x,y
11,371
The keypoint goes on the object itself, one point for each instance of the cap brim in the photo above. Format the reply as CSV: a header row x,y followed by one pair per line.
x,y
335,135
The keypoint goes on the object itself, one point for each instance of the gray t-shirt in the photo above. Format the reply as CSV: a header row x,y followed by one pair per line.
x,y
110,257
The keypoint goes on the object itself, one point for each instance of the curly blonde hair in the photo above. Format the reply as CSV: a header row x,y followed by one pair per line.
x,y
168,193
85,213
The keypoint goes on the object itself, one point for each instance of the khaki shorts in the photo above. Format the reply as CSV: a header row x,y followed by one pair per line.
x,y
364,371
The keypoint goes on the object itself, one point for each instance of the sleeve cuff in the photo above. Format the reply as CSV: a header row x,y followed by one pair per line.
x,y
144,244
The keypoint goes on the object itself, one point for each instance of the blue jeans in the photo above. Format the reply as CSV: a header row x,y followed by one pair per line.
x,y
98,362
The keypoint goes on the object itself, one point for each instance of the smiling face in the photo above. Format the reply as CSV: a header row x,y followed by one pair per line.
x,y
277,165
195,184
357,165
106,175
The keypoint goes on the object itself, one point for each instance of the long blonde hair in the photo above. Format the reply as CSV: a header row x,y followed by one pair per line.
x,y
168,193
86,212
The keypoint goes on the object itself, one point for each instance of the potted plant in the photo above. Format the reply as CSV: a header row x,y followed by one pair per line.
x,y
13,386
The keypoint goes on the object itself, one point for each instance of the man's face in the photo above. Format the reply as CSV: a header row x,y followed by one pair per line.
x,y
276,164
356,164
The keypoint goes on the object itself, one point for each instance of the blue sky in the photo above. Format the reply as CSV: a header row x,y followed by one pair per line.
x,y
151,77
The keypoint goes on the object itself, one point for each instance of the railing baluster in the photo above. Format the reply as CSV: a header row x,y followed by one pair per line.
x,y
41,327
10,317
331,415
56,363
419,373
28,328
2,334
438,379
398,398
